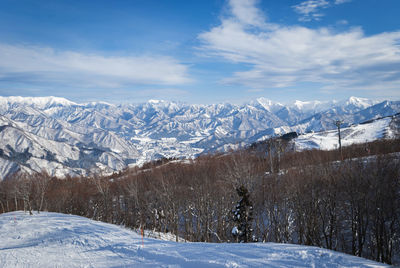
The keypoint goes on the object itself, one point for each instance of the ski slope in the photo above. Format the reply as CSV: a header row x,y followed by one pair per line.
x,y
328,140
59,240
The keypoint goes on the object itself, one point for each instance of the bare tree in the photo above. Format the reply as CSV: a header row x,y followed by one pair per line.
x,y
24,190
40,183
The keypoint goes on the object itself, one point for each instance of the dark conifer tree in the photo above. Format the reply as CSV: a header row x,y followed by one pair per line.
x,y
243,217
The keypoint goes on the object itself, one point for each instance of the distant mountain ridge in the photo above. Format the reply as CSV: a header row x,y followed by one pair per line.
x,y
64,137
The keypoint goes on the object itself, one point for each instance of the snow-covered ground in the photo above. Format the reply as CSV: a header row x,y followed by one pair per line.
x,y
59,240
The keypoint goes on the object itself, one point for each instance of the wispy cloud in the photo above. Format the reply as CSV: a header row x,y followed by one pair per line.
x,y
312,9
31,64
338,2
342,22
283,56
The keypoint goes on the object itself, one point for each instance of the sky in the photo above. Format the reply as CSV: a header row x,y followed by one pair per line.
x,y
202,52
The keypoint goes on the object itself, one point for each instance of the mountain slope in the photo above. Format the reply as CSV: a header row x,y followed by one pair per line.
x,y
360,133
60,151
59,240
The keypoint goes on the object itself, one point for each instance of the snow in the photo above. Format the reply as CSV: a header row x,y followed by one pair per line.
x,y
235,230
41,102
59,240
62,131
152,101
328,140
360,102
268,104
316,106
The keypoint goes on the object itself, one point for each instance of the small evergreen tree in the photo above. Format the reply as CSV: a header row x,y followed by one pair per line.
x,y
243,217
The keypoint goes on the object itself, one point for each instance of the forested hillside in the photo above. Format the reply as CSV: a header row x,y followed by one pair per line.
x,y
311,197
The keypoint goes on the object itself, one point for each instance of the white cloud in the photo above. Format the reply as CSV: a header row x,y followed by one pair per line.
x,y
310,9
29,64
285,56
247,13
338,2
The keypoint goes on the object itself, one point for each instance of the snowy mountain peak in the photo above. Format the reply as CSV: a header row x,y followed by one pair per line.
x,y
153,101
38,102
359,102
94,104
267,104
302,104
265,101
311,105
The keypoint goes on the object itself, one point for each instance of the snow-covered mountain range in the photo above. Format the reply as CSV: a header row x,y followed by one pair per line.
x,y
63,137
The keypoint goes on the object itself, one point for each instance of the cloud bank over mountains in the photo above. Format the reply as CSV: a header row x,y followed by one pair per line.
x,y
33,64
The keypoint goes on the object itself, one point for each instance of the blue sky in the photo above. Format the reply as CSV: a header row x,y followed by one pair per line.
x,y
200,51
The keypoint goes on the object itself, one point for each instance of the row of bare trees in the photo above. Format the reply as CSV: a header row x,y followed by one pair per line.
x,y
351,206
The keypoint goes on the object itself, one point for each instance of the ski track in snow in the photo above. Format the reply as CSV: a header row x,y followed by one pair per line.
x,y
60,240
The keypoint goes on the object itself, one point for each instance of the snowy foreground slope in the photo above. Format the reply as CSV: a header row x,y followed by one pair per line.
x,y
59,240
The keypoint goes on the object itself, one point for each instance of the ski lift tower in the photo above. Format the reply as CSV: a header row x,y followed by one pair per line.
x,y
338,123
